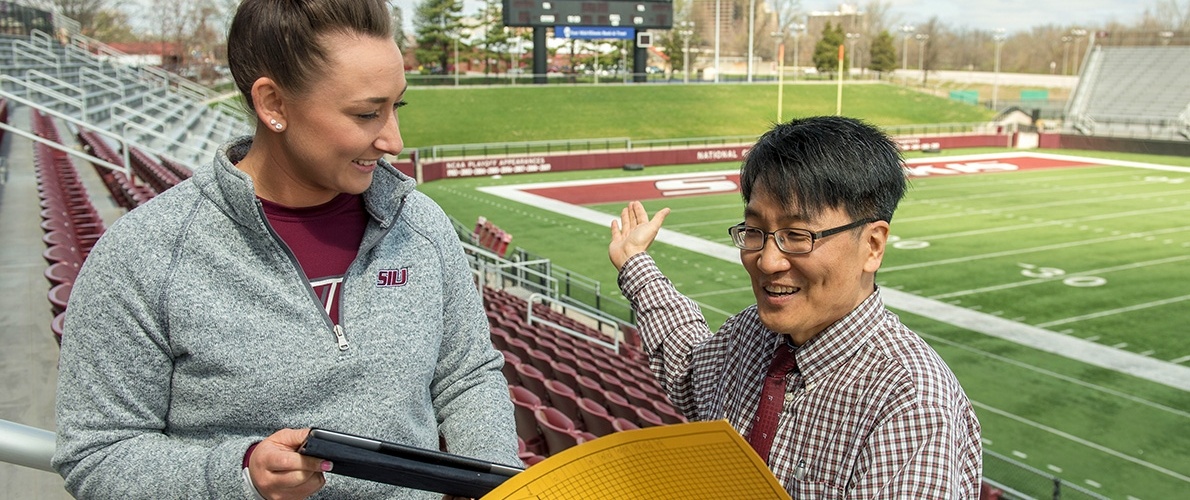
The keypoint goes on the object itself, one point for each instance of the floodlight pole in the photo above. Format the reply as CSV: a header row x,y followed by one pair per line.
x,y
906,29
751,35
717,29
998,38
797,32
686,31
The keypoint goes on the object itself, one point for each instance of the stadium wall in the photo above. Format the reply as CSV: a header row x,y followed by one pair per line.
x,y
561,162
1118,144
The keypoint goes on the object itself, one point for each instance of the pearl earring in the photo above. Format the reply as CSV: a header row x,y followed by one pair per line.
x,y
276,124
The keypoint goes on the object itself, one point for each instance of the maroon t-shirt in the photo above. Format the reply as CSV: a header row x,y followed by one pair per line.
x,y
325,239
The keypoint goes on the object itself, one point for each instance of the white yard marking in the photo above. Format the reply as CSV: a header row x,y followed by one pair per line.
x,y
1024,251
1112,312
1092,272
1084,442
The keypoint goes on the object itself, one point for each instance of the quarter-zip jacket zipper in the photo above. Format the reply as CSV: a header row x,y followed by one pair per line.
x,y
340,334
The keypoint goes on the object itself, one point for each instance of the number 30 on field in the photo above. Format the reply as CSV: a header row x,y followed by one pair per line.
x,y
1032,271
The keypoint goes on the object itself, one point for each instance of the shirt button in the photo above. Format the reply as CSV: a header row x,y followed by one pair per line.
x,y
789,398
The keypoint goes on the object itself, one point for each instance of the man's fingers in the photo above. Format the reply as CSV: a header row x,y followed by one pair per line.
x,y
659,217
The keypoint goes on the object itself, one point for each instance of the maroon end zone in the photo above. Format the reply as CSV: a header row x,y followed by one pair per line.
x,y
697,184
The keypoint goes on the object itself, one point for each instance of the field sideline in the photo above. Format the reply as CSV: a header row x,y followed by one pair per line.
x,y
1044,397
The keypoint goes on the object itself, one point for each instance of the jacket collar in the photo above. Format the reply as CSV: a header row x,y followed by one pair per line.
x,y
231,189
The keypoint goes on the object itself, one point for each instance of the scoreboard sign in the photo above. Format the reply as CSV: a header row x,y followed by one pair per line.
x,y
654,14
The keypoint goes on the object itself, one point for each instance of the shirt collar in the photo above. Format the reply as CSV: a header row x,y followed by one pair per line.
x,y
839,342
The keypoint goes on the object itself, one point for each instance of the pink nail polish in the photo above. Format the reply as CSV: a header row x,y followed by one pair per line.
x,y
326,466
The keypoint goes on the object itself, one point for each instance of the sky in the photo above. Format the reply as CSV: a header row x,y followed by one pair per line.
x,y
1011,15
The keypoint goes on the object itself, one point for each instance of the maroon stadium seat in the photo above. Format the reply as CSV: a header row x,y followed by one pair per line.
x,y
532,379
595,417
623,424
565,400
557,429
524,404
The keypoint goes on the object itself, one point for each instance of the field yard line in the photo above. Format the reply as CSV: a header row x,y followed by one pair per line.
x,y
1112,312
1117,163
1084,442
1018,208
1020,251
1059,376
977,181
1002,194
739,205
1017,284
1090,218
721,292
1045,340
1088,352
726,314
706,222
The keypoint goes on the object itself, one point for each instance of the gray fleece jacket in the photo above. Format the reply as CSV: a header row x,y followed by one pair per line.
x,y
191,333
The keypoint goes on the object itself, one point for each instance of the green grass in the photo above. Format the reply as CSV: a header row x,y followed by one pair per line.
x,y
1125,433
438,116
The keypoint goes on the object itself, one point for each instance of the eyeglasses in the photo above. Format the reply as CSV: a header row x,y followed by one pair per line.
x,y
789,240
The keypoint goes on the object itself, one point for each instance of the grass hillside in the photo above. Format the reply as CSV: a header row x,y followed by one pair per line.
x,y
469,115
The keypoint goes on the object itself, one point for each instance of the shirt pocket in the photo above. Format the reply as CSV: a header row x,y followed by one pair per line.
x,y
809,490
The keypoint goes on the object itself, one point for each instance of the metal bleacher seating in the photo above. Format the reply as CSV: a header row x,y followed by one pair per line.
x,y
1133,92
167,117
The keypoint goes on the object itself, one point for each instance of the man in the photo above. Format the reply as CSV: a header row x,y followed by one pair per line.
x,y
834,393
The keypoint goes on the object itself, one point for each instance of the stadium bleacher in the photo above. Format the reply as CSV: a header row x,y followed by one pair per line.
x,y
567,390
1133,92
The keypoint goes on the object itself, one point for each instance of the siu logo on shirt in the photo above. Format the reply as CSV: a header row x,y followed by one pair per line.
x,y
392,277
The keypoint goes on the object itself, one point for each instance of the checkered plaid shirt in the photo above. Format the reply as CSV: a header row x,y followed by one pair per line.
x,y
873,411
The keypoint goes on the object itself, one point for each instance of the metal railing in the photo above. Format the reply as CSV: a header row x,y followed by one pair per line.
x,y
527,147
26,446
1026,482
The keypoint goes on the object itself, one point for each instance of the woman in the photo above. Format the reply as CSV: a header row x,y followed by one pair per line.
x,y
298,281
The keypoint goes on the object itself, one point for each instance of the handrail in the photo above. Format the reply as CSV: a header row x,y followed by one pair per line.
x,y
598,316
62,98
103,81
77,122
157,151
57,80
45,38
40,54
26,446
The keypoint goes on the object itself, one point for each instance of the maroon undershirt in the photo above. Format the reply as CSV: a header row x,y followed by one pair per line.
x,y
325,239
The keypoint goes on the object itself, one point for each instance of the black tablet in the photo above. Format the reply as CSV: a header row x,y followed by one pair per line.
x,y
407,466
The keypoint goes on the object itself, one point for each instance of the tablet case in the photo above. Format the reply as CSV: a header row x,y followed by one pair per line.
x,y
426,470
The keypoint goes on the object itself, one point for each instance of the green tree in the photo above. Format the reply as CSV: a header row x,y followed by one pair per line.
x,y
438,24
496,42
826,51
398,20
883,53
673,42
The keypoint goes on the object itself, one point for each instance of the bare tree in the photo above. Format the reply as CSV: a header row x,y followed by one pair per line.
x,y
84,11
933,32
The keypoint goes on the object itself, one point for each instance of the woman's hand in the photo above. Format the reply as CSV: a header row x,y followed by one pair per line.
x,y
279,472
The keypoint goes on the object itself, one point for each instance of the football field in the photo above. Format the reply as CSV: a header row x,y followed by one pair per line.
x,y
1056,287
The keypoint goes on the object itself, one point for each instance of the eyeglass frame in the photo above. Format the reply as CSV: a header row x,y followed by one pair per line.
x,y
814,235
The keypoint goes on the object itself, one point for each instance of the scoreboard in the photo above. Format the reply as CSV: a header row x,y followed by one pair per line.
x,y
638,14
